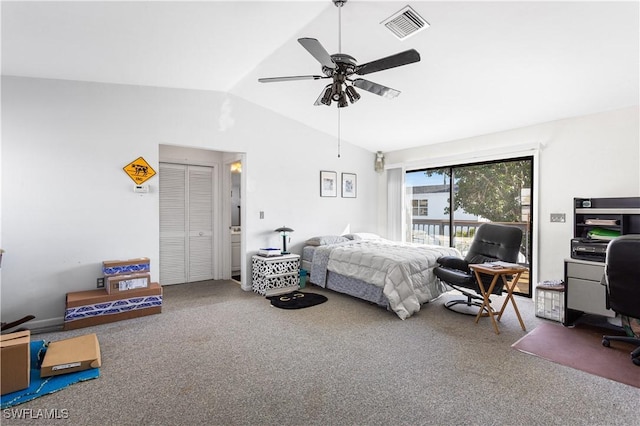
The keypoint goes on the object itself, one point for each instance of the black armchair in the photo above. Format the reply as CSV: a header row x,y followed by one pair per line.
x,y
492,242
623,286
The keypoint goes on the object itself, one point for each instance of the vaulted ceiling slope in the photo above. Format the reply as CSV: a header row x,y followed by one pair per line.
x,y
485,66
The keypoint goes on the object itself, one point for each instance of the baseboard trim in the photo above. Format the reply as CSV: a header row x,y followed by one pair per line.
x,y
44,326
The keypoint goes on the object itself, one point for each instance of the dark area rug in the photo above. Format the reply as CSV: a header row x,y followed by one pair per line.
x,y
580,347
296,300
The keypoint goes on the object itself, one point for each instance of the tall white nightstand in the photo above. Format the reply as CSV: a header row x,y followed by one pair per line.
x,y
275,272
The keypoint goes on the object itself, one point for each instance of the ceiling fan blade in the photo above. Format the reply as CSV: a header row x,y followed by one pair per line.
x,y
314,47
291,78
399,59
375,88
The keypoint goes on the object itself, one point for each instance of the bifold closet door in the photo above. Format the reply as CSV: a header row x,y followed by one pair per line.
x,y
186,223
200,207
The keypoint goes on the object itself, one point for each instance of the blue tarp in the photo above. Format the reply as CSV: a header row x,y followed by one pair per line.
x,y
43,386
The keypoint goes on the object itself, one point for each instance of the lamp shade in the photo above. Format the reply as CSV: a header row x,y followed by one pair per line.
x,y
284,229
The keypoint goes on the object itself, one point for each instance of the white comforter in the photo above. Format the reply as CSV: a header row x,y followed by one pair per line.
x,y
404,271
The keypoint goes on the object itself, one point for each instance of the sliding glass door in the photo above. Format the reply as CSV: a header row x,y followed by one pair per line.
x,y
448,204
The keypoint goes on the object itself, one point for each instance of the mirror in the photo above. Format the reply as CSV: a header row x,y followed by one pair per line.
x,y
236,172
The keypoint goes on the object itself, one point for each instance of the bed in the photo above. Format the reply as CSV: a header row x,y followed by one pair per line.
x,y
396,276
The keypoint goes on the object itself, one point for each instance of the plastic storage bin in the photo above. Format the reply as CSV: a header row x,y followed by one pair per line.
x,y
303,278
550,300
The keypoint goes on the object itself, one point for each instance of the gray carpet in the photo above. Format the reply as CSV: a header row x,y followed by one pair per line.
x,y
220,356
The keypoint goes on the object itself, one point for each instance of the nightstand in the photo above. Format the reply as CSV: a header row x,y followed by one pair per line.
x,y
274,272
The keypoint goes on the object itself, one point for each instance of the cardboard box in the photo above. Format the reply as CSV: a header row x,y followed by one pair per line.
x,y
124,267
71,355
15,362
120,283
93,307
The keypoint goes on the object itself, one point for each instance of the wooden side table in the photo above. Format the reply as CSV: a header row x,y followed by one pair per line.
x,y
274,272
498,272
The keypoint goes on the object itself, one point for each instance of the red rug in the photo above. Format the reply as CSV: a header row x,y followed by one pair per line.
x,y
580,347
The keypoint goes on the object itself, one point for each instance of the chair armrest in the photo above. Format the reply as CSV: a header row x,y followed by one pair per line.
x,y
453,262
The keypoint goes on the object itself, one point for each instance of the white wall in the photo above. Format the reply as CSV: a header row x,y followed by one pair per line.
x,y
67,205
591,156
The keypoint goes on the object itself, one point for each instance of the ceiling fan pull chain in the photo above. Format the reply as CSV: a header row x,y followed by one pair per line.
x,y
338,132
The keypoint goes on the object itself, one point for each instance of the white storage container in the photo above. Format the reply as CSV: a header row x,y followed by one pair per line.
x,y
550,300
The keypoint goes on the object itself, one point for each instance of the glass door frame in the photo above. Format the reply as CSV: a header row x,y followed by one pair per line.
x,y
528,231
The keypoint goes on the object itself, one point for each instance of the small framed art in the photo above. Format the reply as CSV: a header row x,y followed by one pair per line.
x,y
349,185
328,184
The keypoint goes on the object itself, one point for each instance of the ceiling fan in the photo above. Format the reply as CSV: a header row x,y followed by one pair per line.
x,y
341,69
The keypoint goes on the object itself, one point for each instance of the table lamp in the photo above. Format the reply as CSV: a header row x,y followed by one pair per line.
x,y
283,230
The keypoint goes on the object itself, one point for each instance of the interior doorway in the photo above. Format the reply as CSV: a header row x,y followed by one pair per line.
x,y
184,254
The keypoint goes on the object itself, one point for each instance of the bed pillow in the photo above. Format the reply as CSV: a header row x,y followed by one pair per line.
x,y
359,236
325,239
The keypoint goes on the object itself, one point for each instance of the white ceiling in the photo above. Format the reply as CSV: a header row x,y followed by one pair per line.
x,y
486,66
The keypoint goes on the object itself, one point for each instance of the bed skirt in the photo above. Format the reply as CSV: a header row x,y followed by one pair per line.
x,y
356,288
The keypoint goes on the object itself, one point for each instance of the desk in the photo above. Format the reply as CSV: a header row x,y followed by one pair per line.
x,y
498,272
584,293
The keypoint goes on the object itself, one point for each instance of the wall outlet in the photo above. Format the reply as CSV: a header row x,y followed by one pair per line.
x,y
261,215
100,282
558,218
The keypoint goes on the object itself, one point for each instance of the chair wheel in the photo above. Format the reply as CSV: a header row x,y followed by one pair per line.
x,y
605,343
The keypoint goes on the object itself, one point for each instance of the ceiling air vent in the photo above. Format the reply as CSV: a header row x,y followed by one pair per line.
x,y
405,23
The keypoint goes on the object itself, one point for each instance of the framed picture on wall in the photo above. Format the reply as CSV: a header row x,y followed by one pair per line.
x,y
328,184
349,185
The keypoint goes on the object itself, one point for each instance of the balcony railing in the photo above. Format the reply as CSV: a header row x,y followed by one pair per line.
x,y
436,231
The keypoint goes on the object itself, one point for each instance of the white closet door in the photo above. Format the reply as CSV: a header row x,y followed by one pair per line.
x,y
186,223
173,223
200,223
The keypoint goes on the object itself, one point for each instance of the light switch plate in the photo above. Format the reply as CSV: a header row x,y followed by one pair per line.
x,y
558,217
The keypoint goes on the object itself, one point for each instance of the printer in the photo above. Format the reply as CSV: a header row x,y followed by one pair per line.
x,y
589,249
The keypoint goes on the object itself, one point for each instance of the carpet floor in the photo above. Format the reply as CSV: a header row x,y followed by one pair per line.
x,y
580,347
218,355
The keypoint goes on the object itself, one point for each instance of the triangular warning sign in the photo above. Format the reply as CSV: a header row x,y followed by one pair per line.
x,y
139,170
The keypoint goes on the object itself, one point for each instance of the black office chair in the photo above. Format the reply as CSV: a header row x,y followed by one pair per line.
x,y
622,280
492,242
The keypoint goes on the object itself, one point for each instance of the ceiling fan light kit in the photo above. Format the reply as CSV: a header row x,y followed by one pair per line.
x,y
341,67
325,97
352,94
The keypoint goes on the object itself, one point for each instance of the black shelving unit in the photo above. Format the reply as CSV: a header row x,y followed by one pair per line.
x,y
616,214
